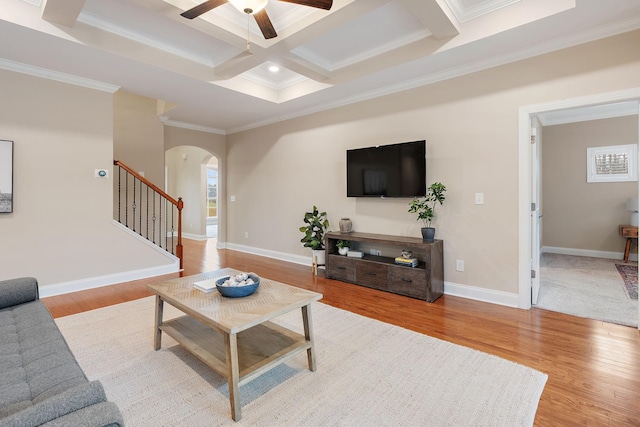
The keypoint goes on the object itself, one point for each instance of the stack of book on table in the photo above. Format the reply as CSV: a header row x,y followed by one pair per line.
x,y
409,262
205,285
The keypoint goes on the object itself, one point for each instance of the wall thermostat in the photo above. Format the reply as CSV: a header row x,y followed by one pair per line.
x,y
102,173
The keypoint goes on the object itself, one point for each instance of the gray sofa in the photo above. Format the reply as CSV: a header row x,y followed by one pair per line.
x,y
41,382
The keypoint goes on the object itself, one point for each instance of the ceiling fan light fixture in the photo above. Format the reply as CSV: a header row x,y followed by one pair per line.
x,y
250,7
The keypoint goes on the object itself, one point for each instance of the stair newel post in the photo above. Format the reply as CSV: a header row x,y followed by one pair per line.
x,y
180,205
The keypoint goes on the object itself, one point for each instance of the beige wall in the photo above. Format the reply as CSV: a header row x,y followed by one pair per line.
x,y
278,172
577,214
138,135
187,179
62,229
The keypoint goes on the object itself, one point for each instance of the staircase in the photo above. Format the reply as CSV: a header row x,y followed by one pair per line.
x,y
147,210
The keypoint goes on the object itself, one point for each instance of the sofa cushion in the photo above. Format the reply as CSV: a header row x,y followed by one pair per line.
x,y
82,405
35,360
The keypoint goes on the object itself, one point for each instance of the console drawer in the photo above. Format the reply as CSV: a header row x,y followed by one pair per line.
x,y
341,268
408,281
372,274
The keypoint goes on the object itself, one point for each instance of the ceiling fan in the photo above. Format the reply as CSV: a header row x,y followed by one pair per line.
x,y
255,8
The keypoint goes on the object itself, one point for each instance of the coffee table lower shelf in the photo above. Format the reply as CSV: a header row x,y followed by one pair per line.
x,y
260,348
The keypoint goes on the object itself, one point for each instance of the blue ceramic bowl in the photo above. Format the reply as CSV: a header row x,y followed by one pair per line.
x,y
237,291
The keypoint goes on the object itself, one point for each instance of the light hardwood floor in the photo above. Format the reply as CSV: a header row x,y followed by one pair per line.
x,y
593,367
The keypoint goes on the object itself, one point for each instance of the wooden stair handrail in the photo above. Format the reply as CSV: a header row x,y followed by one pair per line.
x,y
179,204
147,182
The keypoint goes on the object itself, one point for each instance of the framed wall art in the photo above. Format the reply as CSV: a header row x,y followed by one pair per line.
x,y
6,176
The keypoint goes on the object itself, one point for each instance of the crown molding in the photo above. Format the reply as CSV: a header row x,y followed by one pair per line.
x,y
585,114
320,61
541,49
464,13
256,78
32,70
175,123
102,24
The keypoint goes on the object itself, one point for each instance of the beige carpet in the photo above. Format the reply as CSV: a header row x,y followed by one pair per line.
x,y
585,287
369,373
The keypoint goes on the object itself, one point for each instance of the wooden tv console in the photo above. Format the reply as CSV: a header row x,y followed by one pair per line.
x,y
425,281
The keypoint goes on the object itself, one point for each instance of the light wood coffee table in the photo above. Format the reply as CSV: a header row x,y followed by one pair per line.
x,y
234,336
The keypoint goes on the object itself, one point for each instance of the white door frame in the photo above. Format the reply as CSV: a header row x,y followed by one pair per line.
x,y
536,213
526,175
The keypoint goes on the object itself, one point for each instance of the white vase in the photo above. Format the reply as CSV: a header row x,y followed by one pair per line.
x,y
343,251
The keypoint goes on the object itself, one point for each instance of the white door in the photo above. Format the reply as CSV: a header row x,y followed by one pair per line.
x,y
536,210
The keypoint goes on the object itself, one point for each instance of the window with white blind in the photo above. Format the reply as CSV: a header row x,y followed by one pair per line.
x,y
615,163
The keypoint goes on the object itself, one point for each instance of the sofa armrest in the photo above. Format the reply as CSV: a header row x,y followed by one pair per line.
x,y
57,406
18,291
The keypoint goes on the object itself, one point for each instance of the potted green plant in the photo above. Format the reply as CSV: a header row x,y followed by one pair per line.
x,y
343,246
316,225
425,208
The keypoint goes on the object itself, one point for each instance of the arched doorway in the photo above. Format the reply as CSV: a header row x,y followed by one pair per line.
x,y
193,174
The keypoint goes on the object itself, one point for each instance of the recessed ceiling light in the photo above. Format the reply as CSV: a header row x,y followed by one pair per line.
x,y
274,68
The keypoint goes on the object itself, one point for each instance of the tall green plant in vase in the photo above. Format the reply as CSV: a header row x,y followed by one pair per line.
x,y
314,230
426,208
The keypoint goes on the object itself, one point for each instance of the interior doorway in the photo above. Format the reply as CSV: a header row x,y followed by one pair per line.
x,y
581,250
194,174
529,176
212,198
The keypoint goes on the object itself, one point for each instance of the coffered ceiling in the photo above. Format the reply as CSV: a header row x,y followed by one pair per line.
x,y
218,73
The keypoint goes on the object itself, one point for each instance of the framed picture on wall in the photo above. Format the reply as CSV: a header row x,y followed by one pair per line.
x,y
6,176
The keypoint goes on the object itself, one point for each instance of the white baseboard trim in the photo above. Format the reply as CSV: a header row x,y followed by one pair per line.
x,y
481,294
297,259
633,256
109,279
195,236
144,240
453,289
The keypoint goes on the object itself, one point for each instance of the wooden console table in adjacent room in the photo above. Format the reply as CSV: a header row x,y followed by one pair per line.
x,y
630,232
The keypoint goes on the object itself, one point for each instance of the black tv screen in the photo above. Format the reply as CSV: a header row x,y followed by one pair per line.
x,y
396,170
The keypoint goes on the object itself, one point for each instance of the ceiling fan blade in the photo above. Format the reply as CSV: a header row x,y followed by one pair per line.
x,y
320,4
263,21
202,8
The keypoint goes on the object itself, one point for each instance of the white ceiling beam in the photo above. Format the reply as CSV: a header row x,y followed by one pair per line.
x,y
64,12
291,38
304,68
432,15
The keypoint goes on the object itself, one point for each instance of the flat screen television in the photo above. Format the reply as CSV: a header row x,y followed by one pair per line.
x,y
396,170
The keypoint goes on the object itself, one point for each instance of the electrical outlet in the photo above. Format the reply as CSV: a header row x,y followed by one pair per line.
x,y
375,252
459,265
479,198
246,234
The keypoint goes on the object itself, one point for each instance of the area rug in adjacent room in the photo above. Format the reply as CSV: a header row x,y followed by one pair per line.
x,y
369,373
629,274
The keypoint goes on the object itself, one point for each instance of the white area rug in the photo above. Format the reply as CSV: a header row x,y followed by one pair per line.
x,y
585,287
369,373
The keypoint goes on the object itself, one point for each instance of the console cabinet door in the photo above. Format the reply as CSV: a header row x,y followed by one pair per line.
x,y
408,281
341,268
372,274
